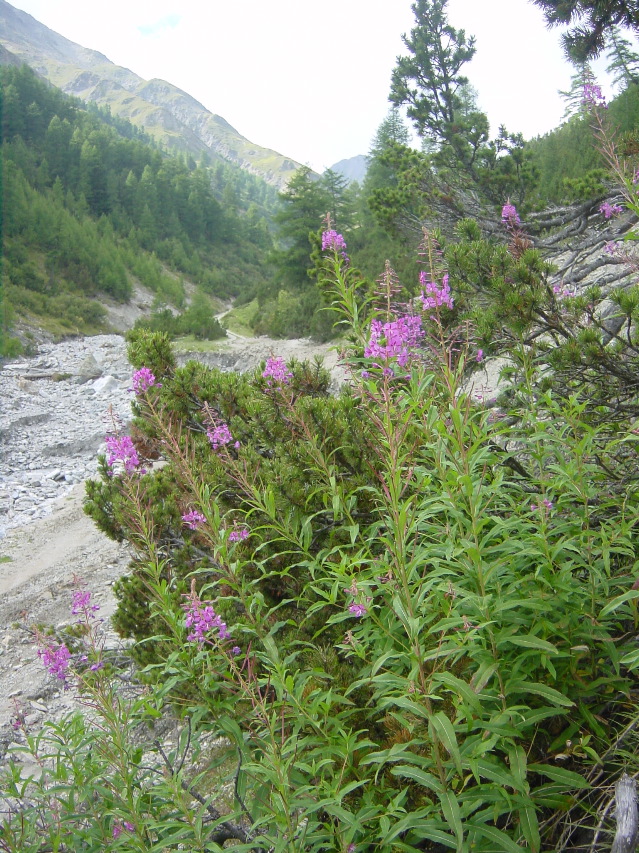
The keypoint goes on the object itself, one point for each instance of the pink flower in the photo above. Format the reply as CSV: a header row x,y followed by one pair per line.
x,y
480,356
81,603
276,372
202,618
193,519
358,610
121,449
610,210
592,95
433,296
55,659
239,534
142,380
334,242
509,215
395,339
220,435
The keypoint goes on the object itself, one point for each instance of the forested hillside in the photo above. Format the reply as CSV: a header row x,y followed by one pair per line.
x,y
90,207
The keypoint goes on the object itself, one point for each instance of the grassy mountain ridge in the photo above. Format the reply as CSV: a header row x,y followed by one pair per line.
x,y
169,115
90,210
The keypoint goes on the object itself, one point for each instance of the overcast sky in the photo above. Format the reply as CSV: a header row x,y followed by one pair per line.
x,y
311,80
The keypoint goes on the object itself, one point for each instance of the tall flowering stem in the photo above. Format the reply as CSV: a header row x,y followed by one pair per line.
x,y
120,449
202,619
276,373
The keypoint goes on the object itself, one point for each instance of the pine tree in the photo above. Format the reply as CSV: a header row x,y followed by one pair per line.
x,y
305,203
574,97
591,22
624,62
428,81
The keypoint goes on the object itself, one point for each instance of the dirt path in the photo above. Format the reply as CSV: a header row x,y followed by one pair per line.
x,y
39,563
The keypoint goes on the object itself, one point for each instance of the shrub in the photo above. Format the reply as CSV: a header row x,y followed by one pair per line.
x,y
410,617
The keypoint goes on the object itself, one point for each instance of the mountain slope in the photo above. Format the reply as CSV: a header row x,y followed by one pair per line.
x,y
166,113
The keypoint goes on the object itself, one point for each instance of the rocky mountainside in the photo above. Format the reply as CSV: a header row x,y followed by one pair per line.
x,y
353,168
169,115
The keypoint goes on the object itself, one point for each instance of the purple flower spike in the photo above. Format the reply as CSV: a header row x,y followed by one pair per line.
x,y
509,215
142,380
357,610
593,96
219,436
395,339
194,519
81,603
610,210
239,534
432,295
202,618
121,449
331,240
276,372
56,660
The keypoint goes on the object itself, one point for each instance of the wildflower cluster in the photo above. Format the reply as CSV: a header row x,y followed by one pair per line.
x,y
119,827
121,449
396,339
56,659
220,435
81,604
276,373
193,519
142,380
239,534
202,619
332,241
434,296
593,96
563,291
509,215
610,210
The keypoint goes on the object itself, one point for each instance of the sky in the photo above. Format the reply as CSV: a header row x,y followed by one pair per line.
x,y
311,80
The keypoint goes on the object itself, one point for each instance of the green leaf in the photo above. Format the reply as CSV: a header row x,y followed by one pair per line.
x,y
618,601
529,641
500,840
460,687
631,660
452,815
568,778
444,731
489,769
407,771
548,693
530,827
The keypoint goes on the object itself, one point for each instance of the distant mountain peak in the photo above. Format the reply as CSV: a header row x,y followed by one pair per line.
x,y
352,168
171,116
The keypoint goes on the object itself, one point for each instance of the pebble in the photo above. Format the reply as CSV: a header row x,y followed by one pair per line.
x,y
51,427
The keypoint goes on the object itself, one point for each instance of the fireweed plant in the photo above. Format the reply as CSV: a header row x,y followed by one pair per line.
x,y
421,636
